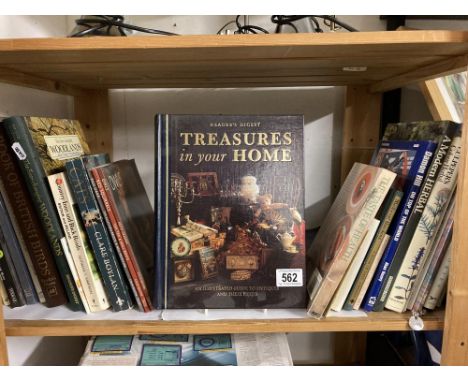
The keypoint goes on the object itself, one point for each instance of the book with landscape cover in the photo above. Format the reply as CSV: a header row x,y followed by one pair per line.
x,y
343,230
130,216
98,235
230,207
41,146
414,161
27,227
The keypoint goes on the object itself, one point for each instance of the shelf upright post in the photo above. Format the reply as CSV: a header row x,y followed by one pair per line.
x,y
93,111
360,136
3,344
455,342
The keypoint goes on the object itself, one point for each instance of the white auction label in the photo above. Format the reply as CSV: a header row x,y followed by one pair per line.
x,y
18,149
289,277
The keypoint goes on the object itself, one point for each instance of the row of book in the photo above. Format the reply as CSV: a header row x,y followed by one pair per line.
x,y
75,228
386,241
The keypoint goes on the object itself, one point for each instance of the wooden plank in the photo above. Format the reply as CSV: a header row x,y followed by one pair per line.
x,y
350,349
438,69
387,321
93,111
3,344
361,127
435,101
14,77
455,343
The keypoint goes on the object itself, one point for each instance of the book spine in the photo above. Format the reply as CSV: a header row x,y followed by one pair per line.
x,y
425,277
29,227
98,236
35,177
8,275
401,282
350,276
81,254
373,267
376,290
101,183
321,298
369,261
17,258
440,281
160,296
3,292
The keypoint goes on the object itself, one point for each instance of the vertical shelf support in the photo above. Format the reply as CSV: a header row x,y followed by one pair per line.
x,y
361,127
93,111
3,344
455,343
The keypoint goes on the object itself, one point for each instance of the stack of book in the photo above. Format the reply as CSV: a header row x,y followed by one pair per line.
x,y
385,243
76,229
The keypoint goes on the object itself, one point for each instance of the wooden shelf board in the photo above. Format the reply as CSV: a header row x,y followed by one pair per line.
x,y
384,321
228,61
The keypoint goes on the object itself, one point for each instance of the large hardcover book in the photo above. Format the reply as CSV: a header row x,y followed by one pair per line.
x,y
28,226
364,277
78,244
14,250
403,273
42,145
131,218
415,158
343,230
101,242
440,281
230,207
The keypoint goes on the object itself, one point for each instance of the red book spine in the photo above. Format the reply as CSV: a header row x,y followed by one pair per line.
x,y
123,244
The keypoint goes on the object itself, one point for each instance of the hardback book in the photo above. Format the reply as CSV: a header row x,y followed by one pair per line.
x,y
80,250
426,277
230,207
41,146
415,158
402,274
346,284
9,277
343,230
32,238
98,235
16,255
440,282
364,277
131,218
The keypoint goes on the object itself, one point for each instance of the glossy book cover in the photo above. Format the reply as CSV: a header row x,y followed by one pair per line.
x,y
230,207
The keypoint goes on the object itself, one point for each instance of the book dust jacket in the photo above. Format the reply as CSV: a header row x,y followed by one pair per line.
x,y
230,212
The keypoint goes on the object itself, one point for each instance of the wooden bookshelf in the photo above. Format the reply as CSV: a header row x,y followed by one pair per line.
x,y
368,63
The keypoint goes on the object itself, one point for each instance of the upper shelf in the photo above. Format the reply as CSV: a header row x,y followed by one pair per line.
x,y
391,59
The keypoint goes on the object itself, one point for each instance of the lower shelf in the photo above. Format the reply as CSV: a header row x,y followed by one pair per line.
x,y
384,321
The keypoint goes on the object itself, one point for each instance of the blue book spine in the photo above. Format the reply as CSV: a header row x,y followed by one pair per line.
x,y
17,258
98,235
415,178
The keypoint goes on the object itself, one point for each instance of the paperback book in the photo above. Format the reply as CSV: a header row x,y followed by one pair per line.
x,y
230,207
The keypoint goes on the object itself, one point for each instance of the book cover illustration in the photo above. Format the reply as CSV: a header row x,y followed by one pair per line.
x,y
231,196
342,231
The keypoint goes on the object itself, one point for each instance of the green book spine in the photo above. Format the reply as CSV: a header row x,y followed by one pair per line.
x,y
36,181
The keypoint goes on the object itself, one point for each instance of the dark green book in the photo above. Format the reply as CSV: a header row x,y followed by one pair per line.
x,y
42,145
99,238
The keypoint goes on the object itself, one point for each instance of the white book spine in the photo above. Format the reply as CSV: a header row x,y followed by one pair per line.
x,y
440,281
348,280
424,233
370,275
81,252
